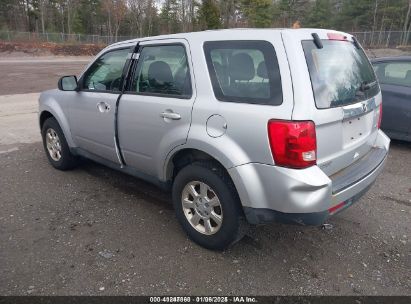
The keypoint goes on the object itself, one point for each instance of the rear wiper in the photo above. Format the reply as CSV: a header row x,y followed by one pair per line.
x,y
367,85
317,41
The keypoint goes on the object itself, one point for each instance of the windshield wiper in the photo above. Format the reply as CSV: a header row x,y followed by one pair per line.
x,y
367,85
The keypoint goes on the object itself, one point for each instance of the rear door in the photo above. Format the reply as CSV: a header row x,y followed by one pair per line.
x,y
395,80
334,86
155,112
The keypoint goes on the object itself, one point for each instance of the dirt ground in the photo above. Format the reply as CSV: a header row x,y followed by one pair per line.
x,y
33,48
76,232
93,230
373,53
36,74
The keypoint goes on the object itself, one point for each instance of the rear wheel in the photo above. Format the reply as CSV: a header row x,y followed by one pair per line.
x,y
207,206
56,147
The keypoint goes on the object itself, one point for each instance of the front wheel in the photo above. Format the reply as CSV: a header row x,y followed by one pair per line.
x,y
207,206
56,147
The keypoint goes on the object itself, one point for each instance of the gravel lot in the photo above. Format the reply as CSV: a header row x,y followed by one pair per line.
x,y
36,74
97,231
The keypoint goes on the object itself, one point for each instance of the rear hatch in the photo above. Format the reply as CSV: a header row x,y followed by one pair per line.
x,y
343,99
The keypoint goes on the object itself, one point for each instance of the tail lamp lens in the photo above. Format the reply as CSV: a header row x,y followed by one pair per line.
x,y
293,143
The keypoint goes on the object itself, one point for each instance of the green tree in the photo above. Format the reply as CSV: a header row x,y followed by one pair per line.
x,y
320,15
87,17
292,11
356,15
151,17
169,18
209,15
257,12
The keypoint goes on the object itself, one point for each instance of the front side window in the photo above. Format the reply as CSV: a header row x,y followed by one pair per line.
x,y
396,73
244,71
162,70
106,72
340,73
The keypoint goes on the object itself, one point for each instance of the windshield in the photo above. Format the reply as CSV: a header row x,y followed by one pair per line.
x,y
340,73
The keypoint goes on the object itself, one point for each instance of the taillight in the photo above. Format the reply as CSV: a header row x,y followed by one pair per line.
x,y
293,143
380,117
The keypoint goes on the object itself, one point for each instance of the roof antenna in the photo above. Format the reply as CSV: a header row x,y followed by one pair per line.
x,y
317,41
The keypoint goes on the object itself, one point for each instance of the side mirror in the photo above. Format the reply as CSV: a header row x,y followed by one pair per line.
x,y
68,83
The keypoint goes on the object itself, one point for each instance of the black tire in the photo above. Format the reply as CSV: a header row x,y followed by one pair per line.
x,y
233,225
67,160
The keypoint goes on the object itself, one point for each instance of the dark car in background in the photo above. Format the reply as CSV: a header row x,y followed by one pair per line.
x,y
394,75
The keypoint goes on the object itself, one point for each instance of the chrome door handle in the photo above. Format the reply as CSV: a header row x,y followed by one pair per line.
x,y
103,107
170,115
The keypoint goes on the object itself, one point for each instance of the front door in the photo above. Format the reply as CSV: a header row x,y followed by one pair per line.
x,y
92,114
155,112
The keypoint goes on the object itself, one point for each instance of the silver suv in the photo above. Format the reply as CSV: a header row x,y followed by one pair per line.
x,y
244,126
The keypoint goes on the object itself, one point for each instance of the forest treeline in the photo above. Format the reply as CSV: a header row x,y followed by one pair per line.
x,y
152,17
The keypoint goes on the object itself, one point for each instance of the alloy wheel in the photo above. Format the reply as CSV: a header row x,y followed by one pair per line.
x,y
202,207
53,144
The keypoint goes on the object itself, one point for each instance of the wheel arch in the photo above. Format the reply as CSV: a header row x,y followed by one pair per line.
x,y
47,112
181,158
185,156
43,117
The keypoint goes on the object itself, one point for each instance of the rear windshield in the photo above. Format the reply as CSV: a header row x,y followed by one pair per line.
x,y
340,73
244,71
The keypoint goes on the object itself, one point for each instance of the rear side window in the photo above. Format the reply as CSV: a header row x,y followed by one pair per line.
x,y
396,73
244,71
340,73
162,70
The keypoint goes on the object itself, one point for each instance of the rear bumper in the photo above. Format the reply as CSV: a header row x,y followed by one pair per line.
x,y
270,193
